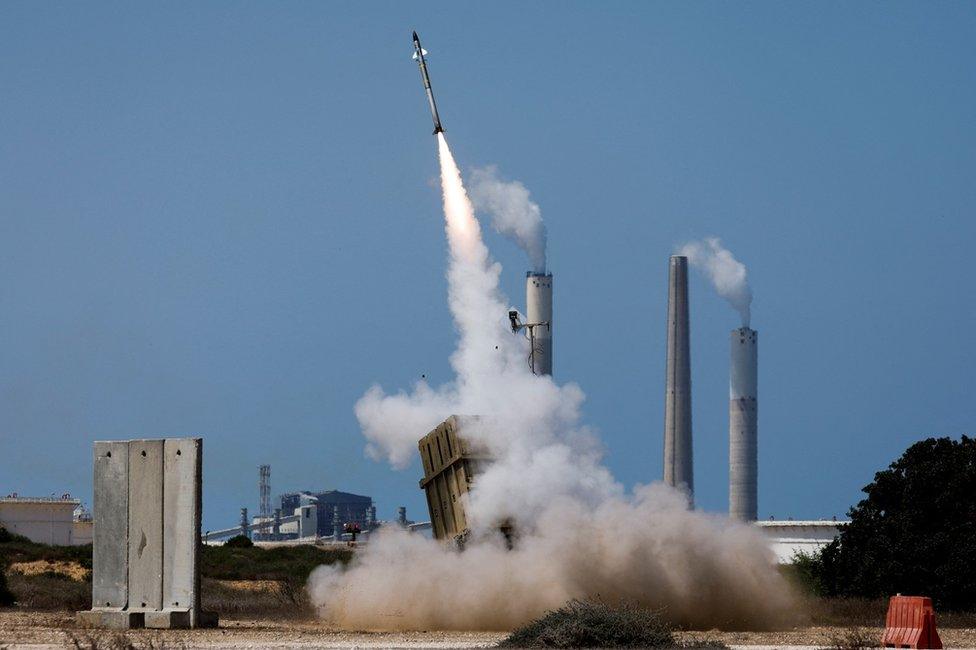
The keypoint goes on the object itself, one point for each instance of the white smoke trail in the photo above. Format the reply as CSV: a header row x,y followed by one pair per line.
x,y
727,274
513,213
492,375
579,533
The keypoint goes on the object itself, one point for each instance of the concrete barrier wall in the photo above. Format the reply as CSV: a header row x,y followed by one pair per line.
x,y
181,523
110,543
147,507
145,524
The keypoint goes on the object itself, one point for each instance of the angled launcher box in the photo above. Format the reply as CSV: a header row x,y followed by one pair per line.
x,y
451,464
145,562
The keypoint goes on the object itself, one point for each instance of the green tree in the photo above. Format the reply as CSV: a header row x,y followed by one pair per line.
x,y
914,534
239,541
6,598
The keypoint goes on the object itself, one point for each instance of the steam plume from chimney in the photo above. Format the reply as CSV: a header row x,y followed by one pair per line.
x,y
513,213
727,274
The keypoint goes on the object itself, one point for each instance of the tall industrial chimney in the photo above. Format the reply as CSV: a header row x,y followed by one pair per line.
x,y
538,312
245,528
336,525
264,502
678,465
743,425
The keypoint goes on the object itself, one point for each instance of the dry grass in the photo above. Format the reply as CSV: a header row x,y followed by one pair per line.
x,y
853,638
865,612
50,591
846,612
50,584
38,587
72,570
257,599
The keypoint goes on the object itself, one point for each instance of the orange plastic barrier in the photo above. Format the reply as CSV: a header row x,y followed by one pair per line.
x,y
910,623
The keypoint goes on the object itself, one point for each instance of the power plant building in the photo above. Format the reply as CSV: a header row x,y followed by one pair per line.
x,y
786,538
743,425
350,508
678,464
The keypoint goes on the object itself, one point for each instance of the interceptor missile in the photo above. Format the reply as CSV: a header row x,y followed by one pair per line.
x,y
418,56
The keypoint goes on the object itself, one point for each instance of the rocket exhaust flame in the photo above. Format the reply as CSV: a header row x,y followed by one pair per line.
x,y
463,229
581,534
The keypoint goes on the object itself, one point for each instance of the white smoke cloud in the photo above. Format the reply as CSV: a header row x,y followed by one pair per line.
x,y
579,532
727,274
492,375
513,213
705,572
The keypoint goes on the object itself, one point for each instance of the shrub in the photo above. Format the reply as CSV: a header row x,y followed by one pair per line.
x,y
914,533
45,591
276,563
590,624
6,597
802,572
17,548
239,541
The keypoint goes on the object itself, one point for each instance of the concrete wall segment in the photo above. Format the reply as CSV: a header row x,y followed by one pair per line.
x,y
145,524
110,507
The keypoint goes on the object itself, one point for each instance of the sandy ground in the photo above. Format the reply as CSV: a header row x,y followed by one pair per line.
x,y
35,630
21,629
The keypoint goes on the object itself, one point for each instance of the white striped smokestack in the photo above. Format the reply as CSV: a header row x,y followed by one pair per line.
x,y
538,309
743,425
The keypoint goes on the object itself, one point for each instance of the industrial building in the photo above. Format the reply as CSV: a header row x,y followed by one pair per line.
x,y
47,520
83,526
351,509
303,525
787,538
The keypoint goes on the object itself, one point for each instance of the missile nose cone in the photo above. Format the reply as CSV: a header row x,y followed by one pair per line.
x,y
416,39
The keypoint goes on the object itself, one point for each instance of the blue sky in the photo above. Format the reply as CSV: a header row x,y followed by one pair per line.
x,y
222,219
